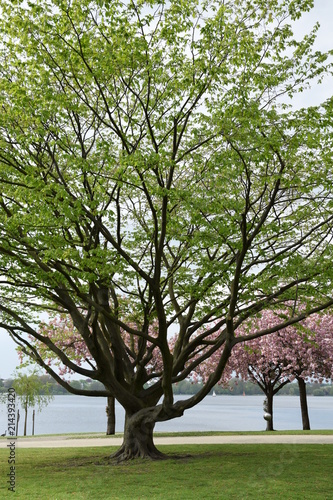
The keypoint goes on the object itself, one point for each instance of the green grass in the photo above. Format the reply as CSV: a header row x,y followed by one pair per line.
x,y
82,435
262,471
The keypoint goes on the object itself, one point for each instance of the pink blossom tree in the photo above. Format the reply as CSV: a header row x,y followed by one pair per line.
x,y
308,347
257,360
303,352
263,363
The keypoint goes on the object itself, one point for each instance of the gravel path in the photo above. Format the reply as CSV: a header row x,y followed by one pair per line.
x,y
65,441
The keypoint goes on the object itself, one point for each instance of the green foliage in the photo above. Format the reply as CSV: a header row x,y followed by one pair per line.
x,y
31,391
214,91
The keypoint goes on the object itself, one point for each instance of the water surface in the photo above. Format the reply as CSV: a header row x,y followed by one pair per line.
x,y
70,413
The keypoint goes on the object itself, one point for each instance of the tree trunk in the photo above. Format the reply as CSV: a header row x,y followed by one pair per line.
x,y
304,404
17,421
25,418
33,423
269,395
111,416
138,438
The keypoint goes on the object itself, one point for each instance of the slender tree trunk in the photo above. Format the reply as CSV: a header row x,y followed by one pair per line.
x,y
269,395
304,404
111,416
25,418
33,423
138,439
17,421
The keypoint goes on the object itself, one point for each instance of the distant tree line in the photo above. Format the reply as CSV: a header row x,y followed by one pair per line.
x,y
48,385
238,387
234,387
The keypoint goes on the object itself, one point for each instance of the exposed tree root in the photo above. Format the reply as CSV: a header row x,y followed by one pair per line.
x,y
126,453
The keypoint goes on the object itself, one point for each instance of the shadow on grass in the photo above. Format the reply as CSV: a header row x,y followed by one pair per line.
x,y
97,460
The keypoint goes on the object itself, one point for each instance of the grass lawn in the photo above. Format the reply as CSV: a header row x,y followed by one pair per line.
x,y
262,471
85,435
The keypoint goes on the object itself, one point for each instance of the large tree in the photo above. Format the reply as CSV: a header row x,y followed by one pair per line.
x,y
151,170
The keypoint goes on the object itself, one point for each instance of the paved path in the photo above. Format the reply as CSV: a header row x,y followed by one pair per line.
x,y
63,441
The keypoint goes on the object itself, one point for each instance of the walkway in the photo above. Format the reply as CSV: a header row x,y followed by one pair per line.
x,y
65,441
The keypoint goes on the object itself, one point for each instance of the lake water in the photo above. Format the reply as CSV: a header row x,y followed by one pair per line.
x,y
66,414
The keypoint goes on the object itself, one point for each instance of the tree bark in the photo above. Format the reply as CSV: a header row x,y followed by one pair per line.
x,y
304,404
269,395
111,416
138,439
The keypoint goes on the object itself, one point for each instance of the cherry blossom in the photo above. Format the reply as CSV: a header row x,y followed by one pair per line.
x,y
303,352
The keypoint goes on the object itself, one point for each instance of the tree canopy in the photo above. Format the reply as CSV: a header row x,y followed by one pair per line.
x,y
151,174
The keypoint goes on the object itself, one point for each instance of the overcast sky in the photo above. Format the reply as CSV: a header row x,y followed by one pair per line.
x,y
322,12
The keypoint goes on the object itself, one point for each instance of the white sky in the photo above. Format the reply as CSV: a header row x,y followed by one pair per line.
x,y
322,12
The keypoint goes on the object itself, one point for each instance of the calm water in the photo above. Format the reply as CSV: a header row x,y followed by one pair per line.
x,y
221,413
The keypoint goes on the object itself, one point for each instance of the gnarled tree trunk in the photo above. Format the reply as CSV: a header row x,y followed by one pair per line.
x,y
111,416
138,438
304,404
